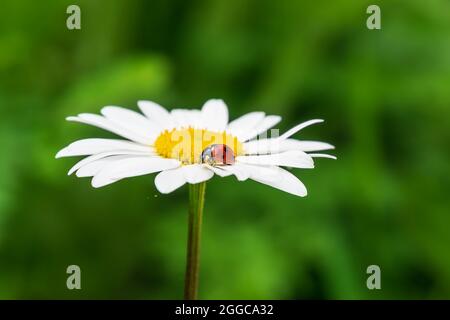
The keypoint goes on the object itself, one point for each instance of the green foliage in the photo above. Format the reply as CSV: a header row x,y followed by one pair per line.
x,y
385,98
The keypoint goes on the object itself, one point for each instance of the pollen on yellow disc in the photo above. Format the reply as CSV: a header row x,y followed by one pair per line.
x,y
187,144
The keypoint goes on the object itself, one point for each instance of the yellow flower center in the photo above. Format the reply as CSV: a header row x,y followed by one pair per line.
x,y
187,144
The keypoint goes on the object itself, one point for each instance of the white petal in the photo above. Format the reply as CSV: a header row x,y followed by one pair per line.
x,y
270,172
238,170
322,155
242,125
215,115
292,158
196,173
275,145
132,121
278,178
267,123
156,113
101,122
184,118
219,171
94,167
299,127
265,146
308,146
94,145
169,180
101,155
131,167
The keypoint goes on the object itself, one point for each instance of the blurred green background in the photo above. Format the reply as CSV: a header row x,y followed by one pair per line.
x,y
385,96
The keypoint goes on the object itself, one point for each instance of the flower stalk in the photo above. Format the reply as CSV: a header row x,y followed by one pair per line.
x,y
196,203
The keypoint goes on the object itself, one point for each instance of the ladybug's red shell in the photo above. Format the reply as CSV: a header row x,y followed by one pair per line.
x,y
218,154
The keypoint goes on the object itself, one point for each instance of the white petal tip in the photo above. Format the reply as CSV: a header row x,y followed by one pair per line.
x,y
100,182
105,109
60,154
323,155
300,192
72,170
276,118
144,103
315,121
96,185
215,100
299,127
163,191
214,105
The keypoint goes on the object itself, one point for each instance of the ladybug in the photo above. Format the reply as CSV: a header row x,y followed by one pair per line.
x,y
218,155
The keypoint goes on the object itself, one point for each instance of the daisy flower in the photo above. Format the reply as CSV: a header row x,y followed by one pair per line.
x,y
191,146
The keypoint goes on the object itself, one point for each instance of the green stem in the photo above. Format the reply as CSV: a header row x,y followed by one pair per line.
x,y
196,202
